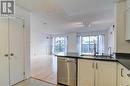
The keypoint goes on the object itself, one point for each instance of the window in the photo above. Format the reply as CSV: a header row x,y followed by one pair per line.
x,y
59,45
91,43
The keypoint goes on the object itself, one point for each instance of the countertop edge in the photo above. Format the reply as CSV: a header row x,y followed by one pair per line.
x,y
98,59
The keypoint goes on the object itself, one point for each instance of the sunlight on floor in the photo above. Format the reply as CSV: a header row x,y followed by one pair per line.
x,y
44,68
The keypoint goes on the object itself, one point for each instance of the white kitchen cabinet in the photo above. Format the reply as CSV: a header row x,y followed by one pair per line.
x,y
96,73
85,72
11,51
128,24
129,80
106,73
123,79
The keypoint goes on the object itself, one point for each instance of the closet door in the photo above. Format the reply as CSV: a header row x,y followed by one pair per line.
x,y
16,50
4,59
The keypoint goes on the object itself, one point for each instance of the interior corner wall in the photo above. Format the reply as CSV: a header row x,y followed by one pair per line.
x,y
122,46
111,39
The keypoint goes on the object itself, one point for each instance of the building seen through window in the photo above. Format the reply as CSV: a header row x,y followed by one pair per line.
x,y
59,45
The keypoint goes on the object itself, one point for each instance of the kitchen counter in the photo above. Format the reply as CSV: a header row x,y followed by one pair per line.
x,y
124,61
77,56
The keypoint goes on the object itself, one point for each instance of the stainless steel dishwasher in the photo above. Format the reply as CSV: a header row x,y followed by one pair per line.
x,y
67,75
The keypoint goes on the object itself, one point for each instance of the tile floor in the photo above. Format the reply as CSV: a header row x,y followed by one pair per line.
x,y
33,82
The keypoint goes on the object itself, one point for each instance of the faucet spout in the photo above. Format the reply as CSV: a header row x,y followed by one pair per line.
x,y
95,49
110,51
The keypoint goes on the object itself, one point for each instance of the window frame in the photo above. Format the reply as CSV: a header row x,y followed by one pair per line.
x,y
81,44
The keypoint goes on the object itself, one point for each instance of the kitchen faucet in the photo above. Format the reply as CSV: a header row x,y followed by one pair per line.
x,y
109,49
94,49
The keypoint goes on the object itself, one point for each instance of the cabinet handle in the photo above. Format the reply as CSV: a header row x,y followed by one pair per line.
x,y
93,65
122,72
96,65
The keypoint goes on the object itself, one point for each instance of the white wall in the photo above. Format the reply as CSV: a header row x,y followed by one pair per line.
x,y
72,42
111,39
26,16
40,45
122,46
40,40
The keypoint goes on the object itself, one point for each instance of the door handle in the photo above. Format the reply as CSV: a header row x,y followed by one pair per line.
x,y
11,54
6,55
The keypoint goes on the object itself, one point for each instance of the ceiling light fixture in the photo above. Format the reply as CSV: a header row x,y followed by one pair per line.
x,y
76,24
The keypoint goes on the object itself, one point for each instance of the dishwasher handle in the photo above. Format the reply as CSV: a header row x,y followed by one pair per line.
x,y
70,61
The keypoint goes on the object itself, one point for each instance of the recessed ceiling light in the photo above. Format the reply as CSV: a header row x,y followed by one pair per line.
x,y
76,24
102,22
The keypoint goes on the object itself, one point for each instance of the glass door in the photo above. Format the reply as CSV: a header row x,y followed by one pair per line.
x,y
59,45
89,44
92,44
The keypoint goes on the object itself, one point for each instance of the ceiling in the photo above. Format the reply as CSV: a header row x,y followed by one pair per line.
x,y
71,15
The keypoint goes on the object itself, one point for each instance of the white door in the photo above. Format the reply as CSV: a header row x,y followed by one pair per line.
x,y
16,50
4,62
106,73
85,72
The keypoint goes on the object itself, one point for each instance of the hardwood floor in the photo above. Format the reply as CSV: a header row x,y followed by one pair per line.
x,y
44,69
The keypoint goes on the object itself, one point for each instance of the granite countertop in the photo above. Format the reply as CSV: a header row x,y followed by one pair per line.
x,y
91,57
125,62
121,60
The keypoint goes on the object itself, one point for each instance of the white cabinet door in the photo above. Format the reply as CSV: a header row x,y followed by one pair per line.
x,y
17,50
85,72
127,79
123,79
106,73
128,24
4,63
121,73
